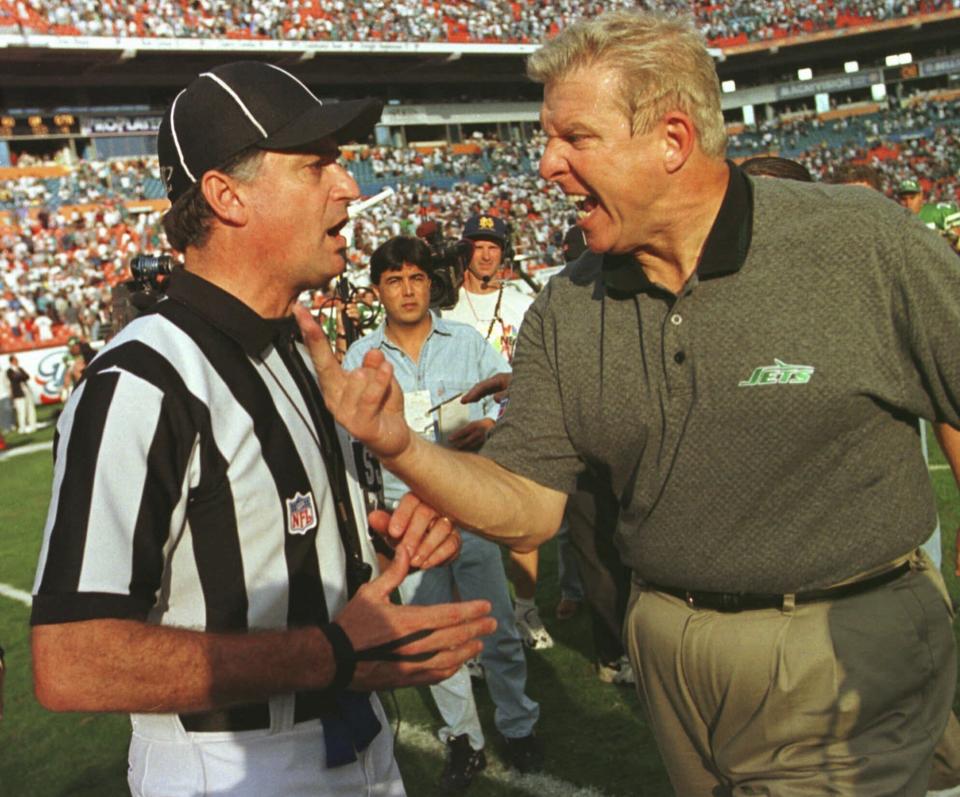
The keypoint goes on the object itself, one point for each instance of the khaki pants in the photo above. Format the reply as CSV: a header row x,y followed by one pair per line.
x,y
946,758
846,697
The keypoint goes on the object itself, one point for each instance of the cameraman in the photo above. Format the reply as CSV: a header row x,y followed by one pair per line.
x,y
491,305
495,308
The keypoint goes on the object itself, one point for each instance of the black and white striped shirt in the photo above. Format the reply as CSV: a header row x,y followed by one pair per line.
x,y
193,473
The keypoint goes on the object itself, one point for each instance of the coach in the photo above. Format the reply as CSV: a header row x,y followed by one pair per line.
x,y
746,367
205,564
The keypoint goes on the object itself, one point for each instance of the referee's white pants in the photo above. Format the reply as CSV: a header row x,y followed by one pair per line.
x,y
167,761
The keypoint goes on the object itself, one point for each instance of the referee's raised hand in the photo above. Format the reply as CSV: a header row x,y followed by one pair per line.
x,y
367,401
397,645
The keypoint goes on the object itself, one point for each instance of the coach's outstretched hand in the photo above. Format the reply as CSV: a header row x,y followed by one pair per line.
x,y
448,633
367,401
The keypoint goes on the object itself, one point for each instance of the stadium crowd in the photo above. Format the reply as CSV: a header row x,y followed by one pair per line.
x,y
725,22
914,141
85,182
68,240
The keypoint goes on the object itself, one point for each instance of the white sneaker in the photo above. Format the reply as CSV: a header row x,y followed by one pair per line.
x,y
618,672
532,632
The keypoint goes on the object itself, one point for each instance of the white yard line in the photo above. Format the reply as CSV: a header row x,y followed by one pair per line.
x,y
16,594
422,740
27,449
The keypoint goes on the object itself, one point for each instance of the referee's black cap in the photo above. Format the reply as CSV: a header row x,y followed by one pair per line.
x,y
245,104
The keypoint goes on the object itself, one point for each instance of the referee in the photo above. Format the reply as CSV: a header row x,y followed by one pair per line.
x,y
205,563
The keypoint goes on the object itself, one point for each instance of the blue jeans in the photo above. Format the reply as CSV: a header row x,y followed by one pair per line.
x,y
478,574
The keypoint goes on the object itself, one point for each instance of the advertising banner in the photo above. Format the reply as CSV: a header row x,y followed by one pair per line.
x,y
46,368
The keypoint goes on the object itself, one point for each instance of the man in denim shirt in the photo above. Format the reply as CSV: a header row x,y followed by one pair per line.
x,y
435,361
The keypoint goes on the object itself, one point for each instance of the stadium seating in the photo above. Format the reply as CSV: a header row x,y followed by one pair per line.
x,y
726,23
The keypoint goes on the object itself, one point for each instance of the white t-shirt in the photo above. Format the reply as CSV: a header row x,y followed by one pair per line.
x,y
498,325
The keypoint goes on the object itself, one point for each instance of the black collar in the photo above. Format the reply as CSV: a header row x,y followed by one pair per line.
x,y
228,314
723,253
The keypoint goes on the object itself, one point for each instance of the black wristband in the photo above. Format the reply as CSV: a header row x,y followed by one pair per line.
x,y
344,656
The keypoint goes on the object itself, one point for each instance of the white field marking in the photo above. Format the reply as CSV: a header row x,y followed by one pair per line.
x,y
5,589
422,740
16,594
938,467
27,449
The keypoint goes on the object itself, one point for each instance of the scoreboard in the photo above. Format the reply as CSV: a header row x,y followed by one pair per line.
x,y
34,125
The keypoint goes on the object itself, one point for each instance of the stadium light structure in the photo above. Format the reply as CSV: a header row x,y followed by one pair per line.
x,y
805,73
851,66
899,59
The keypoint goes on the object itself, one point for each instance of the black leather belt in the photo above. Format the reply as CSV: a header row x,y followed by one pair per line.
x,y
746,601
256,716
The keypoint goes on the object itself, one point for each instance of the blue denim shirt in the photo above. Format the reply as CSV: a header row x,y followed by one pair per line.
x,y
453,358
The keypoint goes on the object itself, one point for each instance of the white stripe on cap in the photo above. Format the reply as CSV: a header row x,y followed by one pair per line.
x,y
176,140
239,102
302,84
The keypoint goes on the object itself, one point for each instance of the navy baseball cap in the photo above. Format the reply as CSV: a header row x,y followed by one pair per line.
x,y
245,104
483,225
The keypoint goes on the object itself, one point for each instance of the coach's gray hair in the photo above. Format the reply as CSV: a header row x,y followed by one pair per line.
x,y
663,65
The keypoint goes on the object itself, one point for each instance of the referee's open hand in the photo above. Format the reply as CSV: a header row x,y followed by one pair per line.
x,y
367,401
427,536
442,637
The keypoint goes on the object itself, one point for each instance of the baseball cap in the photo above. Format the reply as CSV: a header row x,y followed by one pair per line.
x,y
483,225
244,104
910,186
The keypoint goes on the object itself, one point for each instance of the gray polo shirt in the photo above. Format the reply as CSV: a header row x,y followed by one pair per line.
x,y
760,428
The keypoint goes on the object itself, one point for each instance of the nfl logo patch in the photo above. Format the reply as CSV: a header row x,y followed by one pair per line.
x,y
301,513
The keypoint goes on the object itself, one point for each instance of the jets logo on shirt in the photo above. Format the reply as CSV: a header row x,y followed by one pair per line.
x,y
301,513
780,373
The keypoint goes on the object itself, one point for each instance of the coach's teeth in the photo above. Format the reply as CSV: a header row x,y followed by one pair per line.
x,y
585,205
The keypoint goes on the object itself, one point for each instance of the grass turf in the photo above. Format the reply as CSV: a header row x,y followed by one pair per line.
x,y
594,734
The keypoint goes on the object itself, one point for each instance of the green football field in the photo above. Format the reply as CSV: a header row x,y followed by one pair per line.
x,y
595,736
